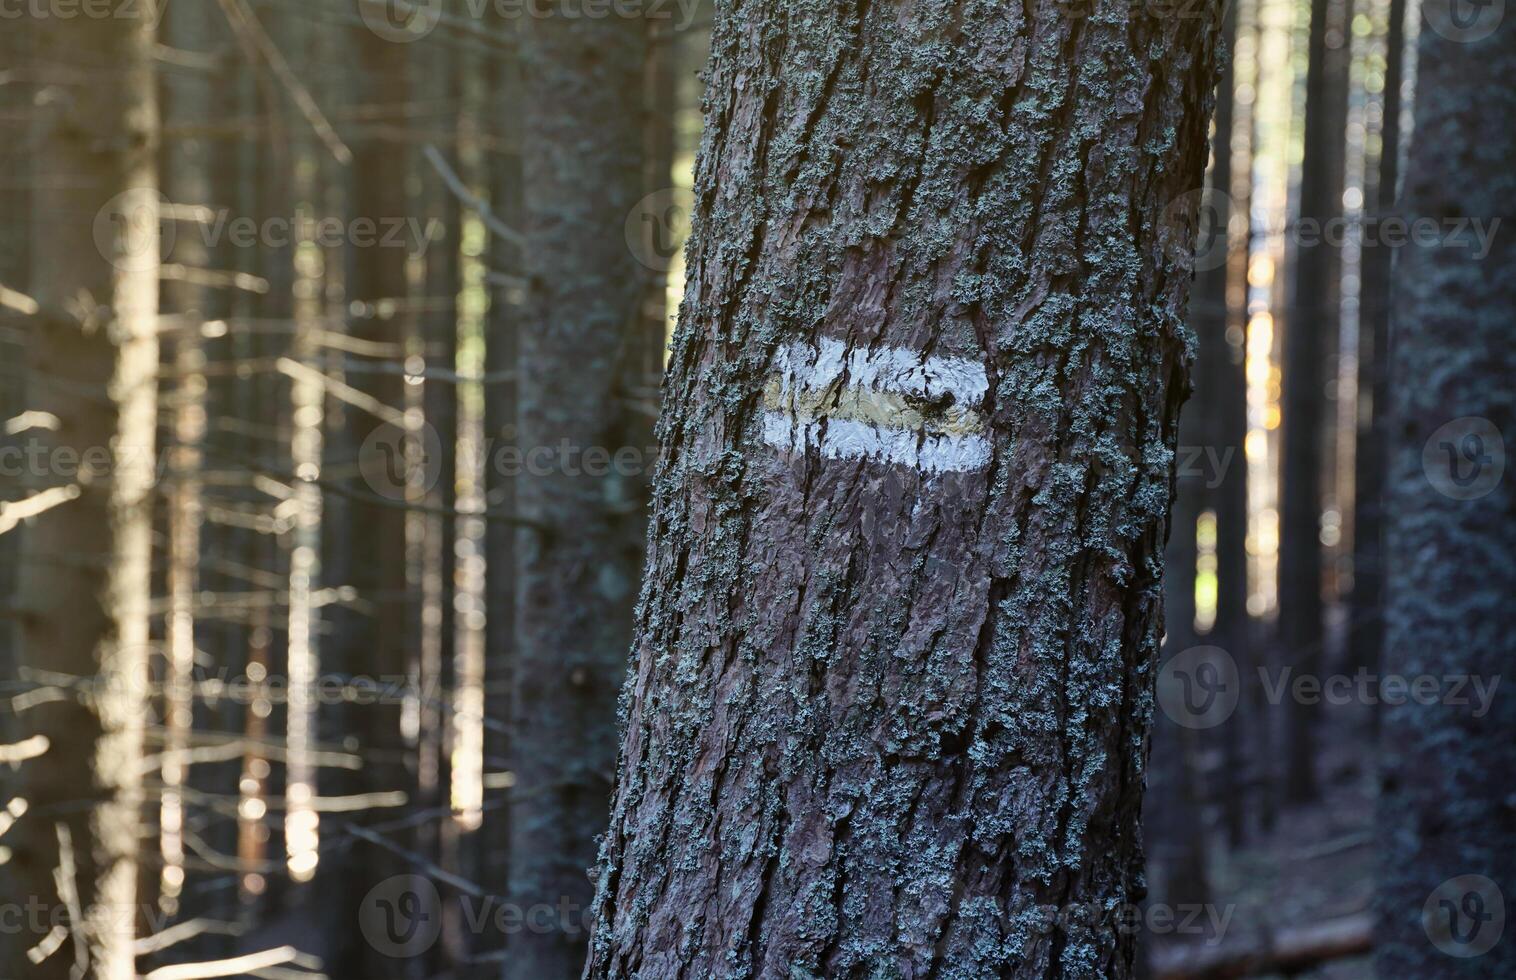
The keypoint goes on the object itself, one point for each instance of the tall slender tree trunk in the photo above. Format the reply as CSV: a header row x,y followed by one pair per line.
x,y
390,454
1309,337
85,598
647,350
439,85
271,197
466,731
1224,368
382,292
500,397
248,646
892,679
577,565
1180,834
188,180
1447,837
306,407
1367,600
15,98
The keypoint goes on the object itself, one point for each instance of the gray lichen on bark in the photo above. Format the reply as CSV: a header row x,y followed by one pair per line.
x,y
884,722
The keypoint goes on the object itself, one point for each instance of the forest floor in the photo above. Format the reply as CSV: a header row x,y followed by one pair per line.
x,y
1295,899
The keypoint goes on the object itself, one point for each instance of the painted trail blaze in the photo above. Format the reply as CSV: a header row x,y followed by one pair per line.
x,y
889,404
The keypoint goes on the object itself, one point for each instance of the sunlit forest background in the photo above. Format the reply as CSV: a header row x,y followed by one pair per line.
x,y
342,571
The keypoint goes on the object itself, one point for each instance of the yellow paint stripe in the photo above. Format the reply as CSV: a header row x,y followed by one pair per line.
x,y
888,409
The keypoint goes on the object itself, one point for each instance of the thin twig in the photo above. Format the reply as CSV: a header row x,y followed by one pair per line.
x,y
184,932
12,514
469,199
66,877
441,874
356,345
235,966
431,373
32,748
27,421
245,22
214,278
343,392
20,302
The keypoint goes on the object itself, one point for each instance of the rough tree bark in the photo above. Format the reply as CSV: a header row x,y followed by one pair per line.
x,y
1445,804
893,672
577,565
84,600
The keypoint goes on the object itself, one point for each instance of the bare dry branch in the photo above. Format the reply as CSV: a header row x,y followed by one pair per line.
x,y
236,966
245,23
469,199
12,514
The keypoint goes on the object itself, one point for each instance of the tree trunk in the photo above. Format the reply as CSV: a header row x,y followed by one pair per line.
x,y
578,564
15,98
248,647
188,179
1177,786
1309,337
306,407
272,196
1445,804
436,565
1367,602
1227,372
893,672
1223,366
501,100
392,454
85,597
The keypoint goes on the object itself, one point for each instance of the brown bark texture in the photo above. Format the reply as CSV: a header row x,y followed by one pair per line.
x,y
893,671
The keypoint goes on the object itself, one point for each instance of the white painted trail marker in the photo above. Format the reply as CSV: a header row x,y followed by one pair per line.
x,y
889,404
